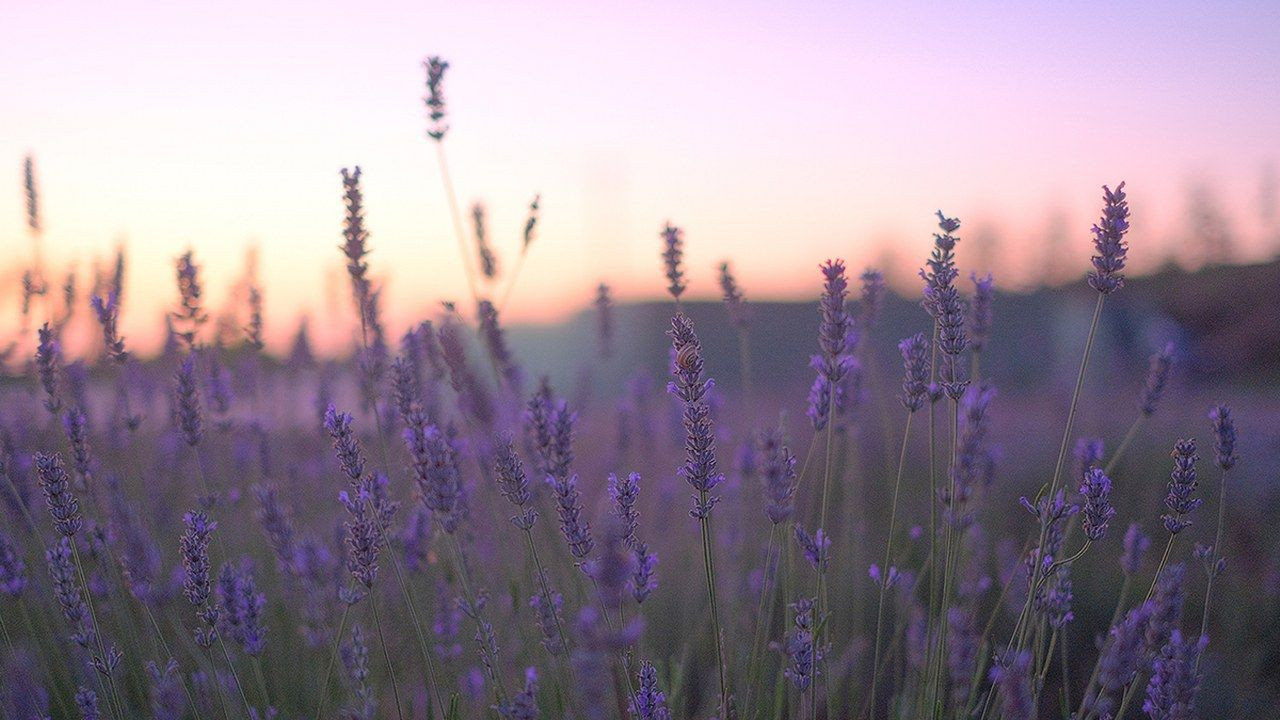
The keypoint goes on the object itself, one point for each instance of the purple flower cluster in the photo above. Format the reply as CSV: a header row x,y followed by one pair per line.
x,y
804,655
672,257
691,388
1182,483
836,338
58,497
1157,378
1097,510
649,703
734,302
778,472
434,100
980,313
197,583
1171,692
107,309
915,364
1108,241
1224,437
513,483
942,300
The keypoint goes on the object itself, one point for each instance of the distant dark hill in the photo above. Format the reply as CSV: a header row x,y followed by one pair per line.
x,y
1225,322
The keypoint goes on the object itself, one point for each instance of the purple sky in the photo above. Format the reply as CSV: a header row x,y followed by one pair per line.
x,y
777,134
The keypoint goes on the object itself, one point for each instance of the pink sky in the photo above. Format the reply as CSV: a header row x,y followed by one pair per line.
x,y
776,134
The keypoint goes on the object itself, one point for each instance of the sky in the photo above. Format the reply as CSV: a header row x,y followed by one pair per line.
x,y
776,134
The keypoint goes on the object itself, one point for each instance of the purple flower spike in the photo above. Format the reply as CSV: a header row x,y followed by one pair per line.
x,y
1171,693
734,302
62,503
1097,510
980,315
576,528
672,256
1157,377
942,301
699,469
915,364
188,393
1108,241
836,339
650,703
778,470
816,548
1136,544
1224,437
1182,483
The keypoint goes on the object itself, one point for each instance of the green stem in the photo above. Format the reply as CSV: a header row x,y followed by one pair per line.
x,y
447,178
1124,443
333,657
888,554
1213,567
708,559
386,656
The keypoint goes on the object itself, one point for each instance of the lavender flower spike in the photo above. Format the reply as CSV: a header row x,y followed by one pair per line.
x,y
1171,693
188,392
672,255
699,469
434,100
1108,241
625,492
48,364
1182,483
1224,437
650,703
980,311
61,501
604,316
576,529
1136,544
942,300
1157,376
107,308
734,302
197,582
1097,510
87,704
915,363
513,482
778,470
836,335
13,570
872,300
350,459
816,548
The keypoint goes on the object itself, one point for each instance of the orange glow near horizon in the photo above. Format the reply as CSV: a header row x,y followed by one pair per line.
x,y
775,135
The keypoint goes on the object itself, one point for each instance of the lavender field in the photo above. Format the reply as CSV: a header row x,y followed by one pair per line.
x,y
939,500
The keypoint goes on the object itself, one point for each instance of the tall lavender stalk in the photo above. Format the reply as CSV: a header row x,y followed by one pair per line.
x,y
699,469
1106,277
915,389
740,318
1224,456
436,130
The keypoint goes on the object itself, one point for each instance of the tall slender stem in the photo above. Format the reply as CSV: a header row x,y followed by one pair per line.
x,y
1213,567
1062,448
117,705
333,657
386,656
708,559
454,212
888,554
